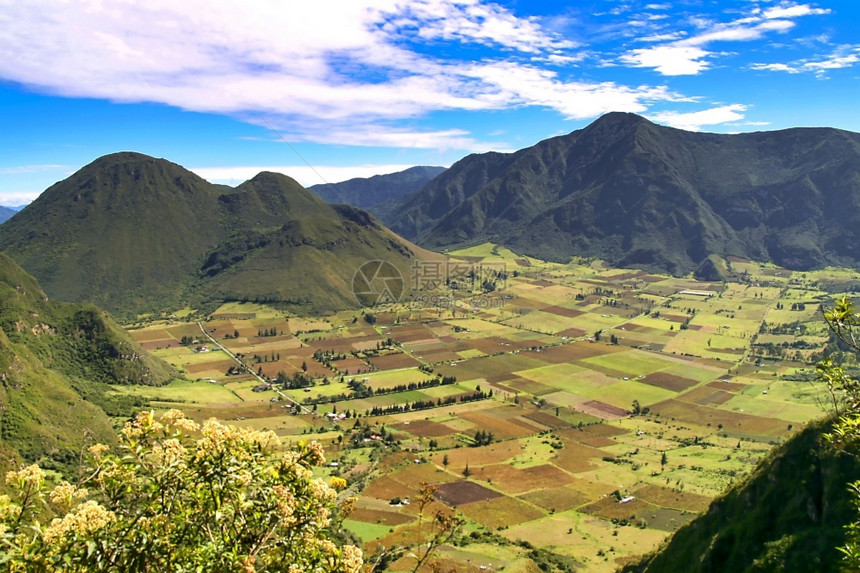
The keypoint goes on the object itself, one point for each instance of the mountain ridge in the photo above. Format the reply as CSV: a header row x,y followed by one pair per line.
x,y
136,234
369,192
638,194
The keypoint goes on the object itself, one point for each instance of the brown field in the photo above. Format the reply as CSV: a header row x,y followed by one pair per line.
x,y
461,492
492,366
150,334
671,498
577,458
706,395
735,422
562,311
415,474
351,364
393,361
602,410
409,333
159,343
556,498
377,516
502,423
572,332
495,453
729,386
611,508
441,355
669,381
501,512
425,428
516,481
219,365
386,487
546,419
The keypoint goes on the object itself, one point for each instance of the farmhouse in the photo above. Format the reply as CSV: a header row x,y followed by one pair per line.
x,y
697,293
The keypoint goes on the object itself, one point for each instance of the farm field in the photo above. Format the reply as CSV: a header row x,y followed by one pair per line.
x,y
576,410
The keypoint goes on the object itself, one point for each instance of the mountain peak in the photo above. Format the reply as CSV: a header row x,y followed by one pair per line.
x,y
615,123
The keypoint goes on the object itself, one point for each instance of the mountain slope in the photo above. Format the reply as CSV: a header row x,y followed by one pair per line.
x,y
638,194
56,360
6,213
368,192
124,230
136,234
787,516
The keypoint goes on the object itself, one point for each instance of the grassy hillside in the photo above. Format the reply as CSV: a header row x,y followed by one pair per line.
x,y
787,516
134,234
56,360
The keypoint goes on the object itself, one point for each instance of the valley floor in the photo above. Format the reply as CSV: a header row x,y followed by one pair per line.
x,y
577,409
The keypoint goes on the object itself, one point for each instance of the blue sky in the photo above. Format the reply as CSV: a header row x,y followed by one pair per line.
x,y
364,87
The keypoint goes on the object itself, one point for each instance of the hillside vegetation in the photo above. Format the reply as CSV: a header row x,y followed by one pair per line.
x,y
789,515
135,234
56,360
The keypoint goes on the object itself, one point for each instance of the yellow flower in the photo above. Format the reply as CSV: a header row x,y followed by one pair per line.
x,y
321,491
30,476
337,483
169,451
177,420
65,493
351,559
317,454
98,450
85,519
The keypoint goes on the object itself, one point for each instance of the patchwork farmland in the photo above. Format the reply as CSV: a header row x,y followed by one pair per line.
x,y
575,412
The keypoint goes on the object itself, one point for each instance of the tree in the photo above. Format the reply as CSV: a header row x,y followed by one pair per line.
x,y
445,461
178,496
466,471
844,393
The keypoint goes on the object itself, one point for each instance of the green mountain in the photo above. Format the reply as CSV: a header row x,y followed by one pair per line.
x,y
788,516
638,194
6,213
136,234
368,192
56,360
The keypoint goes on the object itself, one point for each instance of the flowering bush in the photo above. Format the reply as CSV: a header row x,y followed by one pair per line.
x,y
178,497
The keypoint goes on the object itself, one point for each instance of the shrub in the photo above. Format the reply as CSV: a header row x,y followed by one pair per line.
x,y
177,496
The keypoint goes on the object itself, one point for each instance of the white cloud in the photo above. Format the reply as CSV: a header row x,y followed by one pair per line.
x,y
669,60
472,21
833,62
320,69
304,174
687,56
17,198
790,10
842,57
694,121
26,169
775,68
